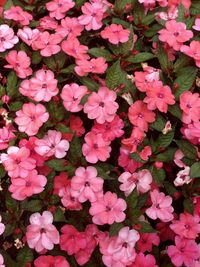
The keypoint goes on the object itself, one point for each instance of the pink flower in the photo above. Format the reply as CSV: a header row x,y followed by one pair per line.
x,y
188,226
95,148
31,117
7,37
72,47
60,181
147,240
197,24
183,177
192,51
101,105
58,8
21,188
85,185
161,207
49,261
159,96
175,34
192,132
2,261
134,140
184,252
108,209
141,180
28,35
70,27
125,161
47,44
48,23
142,260
115,34
17,162
95,65
20,62
6,135
92,16
41,233
71,240
72,95
2,226
178,158
145,153
51,144
17,14
76,124
139,115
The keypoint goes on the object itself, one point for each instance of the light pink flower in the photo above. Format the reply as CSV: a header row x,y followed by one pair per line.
x,y
17,14
192,132
28,35
95,148
178,158
85,185
142,260
175,34
196,26
17,162
6,135
2,261
21,188
49,261
31,117
161,207
70,27
72,47
72,95
141,180
48,23
7,37
95,65
192,51
147,241
108,209
183,177
184,252
115,34
58,8
52,144
41,233
20,62
2,226
92,15
101,105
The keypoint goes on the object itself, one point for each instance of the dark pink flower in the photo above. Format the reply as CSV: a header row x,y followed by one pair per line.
x,y
49,261
147,241
142,260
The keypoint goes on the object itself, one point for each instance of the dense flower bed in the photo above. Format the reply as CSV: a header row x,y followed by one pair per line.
x,y
100,133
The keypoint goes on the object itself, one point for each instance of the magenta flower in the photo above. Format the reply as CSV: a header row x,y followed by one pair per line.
x,y
147,240
49,261
142,260
41,233
7,38
58,8
115,34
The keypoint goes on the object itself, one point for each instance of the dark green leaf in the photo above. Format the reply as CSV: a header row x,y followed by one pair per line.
x,y
165,156
89,83
141,57
175,111
114,228
11,84
56,164
24,256
187,148
33,205
195,170
146,228
188,205
159,175
59,216
159,123
100,52
113,75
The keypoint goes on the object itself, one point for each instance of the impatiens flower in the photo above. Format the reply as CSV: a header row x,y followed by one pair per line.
x,y
108,209
115,34
20,62
2,261
41,233
48,23
21,188
52,144
76,125
6,135
141,180
175,34
28,35
58,8
92,16
85,185
146,241
49,261
159,96
101,105
126,162
161,207
31,117
184,252
197,24
139,115
192,51
71,240
7,37
72,95
188,226
192,132
178,158
145,153
183,177
17,14
72,47
142,260
17,162
136,138
70,27
95,65
95,148
2,226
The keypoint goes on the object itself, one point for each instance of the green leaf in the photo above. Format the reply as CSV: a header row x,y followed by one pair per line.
x,y
169,188
103,174
8,230
36,57
146,228
8,4
80,3
69,69
114,228
132,199
2,171
136,157
14,106
188,205
165,64
142,199
11,84
100,52
181,62
159,123
75,151
24,256
164,140
195,170
165,156
187,148
33,205
63,129
175,111
113,75
59,216
10,202
89,83
141,57
56,164
159,175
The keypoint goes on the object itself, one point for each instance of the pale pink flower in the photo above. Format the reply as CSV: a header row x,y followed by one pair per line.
x,y
48,23
2,226
7,37
147,241
92,15
101,105
17,14
41,233
126,162
52,144
70,27
58,8
143,260
95,65
161,207
115,34
72,47
85,185
175,34
178,158
167,128
171,14
17,162
141,180
95,148
47,43
72,95
192,51
2,261
20,62
6,135
28,35
49,261
192,132
188,226
108,209
21,188
197,24
184,252
183,177
31,117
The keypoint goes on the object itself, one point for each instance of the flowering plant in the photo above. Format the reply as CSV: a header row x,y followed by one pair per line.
x,y
100,133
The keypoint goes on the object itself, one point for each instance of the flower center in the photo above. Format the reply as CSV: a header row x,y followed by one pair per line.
x,y
160,95
108,208
95,146
28,184
176,34
42,231
101,104
140,115
87,184
125,245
